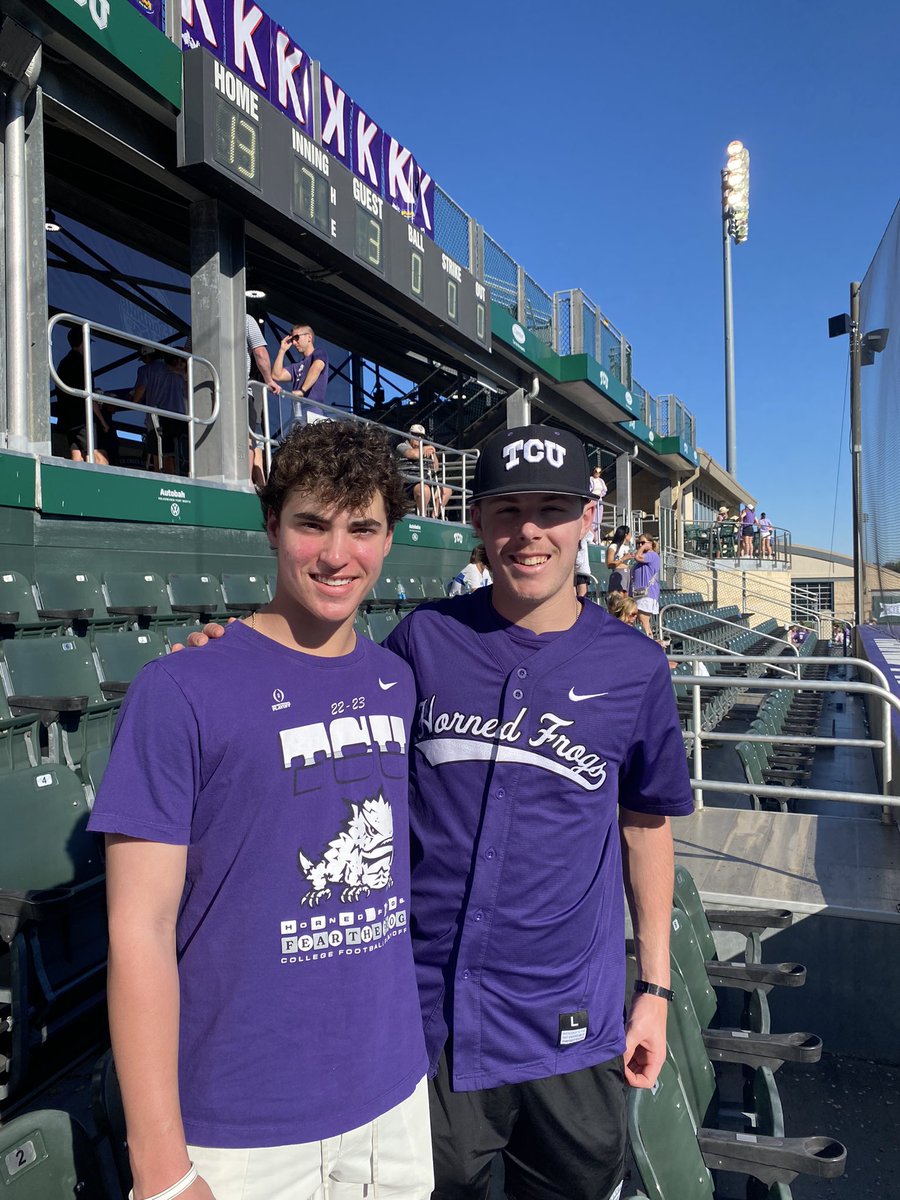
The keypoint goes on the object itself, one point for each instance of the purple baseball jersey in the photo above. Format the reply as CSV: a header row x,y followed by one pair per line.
x,y
285,774
522,754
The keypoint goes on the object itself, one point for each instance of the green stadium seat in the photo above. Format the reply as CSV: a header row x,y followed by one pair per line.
x,y
197,595
244,593
121,654
674,1157
179,634
109,1117
139,595
52,913
19,614
433,587
388,590
74,597
748,921
20,739
381,622
361,624
56,680
48,1155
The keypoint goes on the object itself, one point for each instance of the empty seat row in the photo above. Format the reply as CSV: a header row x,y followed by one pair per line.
x,y
78,601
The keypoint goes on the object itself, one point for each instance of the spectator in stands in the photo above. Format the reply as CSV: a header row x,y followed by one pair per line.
x,y
622,607
618,558
598,491
161,382
748,529
413,451
308,378
70,410
257,348
476,574
263,1011
582,568
644,584
766,529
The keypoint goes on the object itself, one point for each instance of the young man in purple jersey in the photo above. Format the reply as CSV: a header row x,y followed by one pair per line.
x,y
545,767
262,995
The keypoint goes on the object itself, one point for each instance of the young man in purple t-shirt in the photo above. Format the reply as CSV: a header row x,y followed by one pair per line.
x,y
308,378
262,996
546,763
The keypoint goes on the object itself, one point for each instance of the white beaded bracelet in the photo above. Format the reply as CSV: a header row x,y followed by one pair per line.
x,y
176,1189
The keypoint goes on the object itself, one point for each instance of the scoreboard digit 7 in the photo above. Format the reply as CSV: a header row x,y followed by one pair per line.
x,y
242,143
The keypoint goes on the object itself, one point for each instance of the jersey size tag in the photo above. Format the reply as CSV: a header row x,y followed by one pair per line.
x,y
573,1027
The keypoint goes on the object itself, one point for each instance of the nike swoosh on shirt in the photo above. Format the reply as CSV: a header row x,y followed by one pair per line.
x,y
573,695
386,687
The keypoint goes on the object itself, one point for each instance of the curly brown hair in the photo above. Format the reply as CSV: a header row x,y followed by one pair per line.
x,y
342,463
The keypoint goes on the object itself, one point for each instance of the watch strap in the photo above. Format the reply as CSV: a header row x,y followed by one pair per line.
x,y
653,989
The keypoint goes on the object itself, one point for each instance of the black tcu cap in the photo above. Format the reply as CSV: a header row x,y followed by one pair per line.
x,y
533,458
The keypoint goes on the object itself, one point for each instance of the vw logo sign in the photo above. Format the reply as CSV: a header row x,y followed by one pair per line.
x,y
628,399
278,695
518,334
175,509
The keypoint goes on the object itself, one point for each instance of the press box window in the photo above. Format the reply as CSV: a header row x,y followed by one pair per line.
x,y
415,274
236,142
309,197
452,299
369,241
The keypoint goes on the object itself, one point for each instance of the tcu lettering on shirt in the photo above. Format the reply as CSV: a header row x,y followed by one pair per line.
x,y
344,737
534,450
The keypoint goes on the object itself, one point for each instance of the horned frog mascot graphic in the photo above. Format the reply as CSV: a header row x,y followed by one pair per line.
x,y
359,857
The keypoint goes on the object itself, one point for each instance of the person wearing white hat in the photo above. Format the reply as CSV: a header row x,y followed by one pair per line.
x,y
419,467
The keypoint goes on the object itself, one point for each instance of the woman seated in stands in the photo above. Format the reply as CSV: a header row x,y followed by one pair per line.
x,y
618,557
430,493
476,574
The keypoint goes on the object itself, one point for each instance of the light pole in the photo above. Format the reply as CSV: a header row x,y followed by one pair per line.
x,y
735,219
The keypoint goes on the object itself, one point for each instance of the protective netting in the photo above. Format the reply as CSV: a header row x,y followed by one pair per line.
x,y
880,392
451,228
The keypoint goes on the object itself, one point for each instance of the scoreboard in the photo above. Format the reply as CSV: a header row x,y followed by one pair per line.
x,y
229,128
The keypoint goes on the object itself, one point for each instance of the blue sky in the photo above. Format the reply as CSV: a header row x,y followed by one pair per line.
x,y
588,138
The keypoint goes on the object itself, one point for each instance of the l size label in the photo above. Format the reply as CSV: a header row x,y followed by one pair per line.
x,y
573,1027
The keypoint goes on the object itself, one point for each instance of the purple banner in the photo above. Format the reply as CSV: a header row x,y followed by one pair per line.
x,y
203,24
337,109
248,44
153,10
291,75
262,52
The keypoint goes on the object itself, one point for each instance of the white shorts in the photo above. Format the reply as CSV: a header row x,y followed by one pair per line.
x,y
645,604
387,1159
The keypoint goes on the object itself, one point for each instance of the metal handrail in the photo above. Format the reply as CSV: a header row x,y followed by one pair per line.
x,y
734,625
697,736
89,395
330,412
694,564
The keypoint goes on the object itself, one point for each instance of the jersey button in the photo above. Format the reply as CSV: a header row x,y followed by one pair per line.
x,y
500,793
491,853
521,672
465,974
517,694
479,916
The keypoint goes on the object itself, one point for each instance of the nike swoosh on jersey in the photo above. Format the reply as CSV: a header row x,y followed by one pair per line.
x,y
573,695
386,687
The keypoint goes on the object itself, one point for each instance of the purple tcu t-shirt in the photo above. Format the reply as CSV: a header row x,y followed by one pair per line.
x,y
319,390
286,776
522,755
645,575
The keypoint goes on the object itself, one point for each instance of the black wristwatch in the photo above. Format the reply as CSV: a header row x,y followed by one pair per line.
x,y
653,989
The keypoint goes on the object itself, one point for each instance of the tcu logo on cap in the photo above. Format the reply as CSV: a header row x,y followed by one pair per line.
x,y
534,450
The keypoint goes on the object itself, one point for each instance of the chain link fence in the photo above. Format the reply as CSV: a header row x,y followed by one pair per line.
x,y
538,311
451,228
501,274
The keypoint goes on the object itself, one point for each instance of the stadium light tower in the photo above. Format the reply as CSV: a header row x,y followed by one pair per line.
x,y
735,222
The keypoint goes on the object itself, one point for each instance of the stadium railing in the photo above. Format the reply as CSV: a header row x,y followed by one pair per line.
x,y
88,394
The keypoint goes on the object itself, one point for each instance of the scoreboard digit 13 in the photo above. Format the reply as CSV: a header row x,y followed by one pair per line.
x,y
227,127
